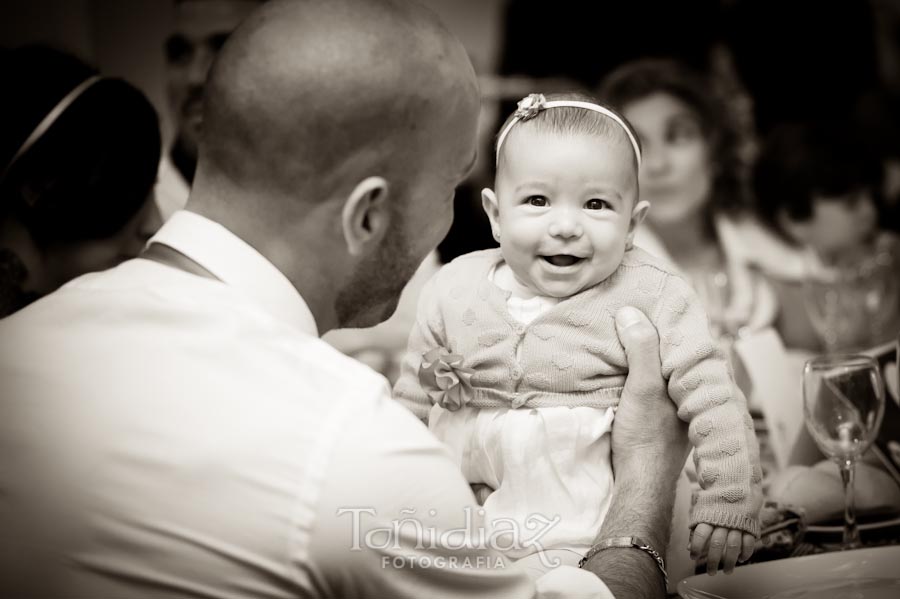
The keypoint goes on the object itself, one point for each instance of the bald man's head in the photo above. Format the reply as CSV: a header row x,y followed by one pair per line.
x,y
334,135
308,96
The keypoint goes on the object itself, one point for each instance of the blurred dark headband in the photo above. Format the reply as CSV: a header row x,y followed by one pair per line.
x,y
48,121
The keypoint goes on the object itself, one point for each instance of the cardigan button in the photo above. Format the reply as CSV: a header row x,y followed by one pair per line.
x,y
517,373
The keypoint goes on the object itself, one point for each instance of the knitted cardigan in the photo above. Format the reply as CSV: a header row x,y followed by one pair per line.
x,y
571,356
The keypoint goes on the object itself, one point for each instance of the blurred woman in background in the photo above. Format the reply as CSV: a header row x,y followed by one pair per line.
x,y
703,219
78,160
693,175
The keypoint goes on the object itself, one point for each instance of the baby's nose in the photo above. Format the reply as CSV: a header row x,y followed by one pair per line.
x,y
566,227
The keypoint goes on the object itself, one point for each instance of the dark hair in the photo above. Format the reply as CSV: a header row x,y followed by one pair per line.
x,y
799,161
93,169
642,78
571,119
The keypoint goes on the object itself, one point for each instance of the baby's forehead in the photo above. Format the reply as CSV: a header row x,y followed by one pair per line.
x,y
531,134
531,159
536,130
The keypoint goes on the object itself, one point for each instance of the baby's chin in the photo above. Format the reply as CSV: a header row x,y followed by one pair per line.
x,y
560,289
563,285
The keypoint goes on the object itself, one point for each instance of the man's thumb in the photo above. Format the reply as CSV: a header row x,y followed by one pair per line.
x,y
639,338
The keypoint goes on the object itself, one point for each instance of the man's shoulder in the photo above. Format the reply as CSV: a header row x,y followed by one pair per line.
x,y
142,306
393,427
338,371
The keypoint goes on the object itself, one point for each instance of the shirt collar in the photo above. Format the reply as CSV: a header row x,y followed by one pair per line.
x,y
237,264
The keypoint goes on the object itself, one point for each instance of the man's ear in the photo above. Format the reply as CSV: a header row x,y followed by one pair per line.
x,y
638,214
492,208
366,216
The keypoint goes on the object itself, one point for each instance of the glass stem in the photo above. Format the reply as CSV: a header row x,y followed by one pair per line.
x,y
851,532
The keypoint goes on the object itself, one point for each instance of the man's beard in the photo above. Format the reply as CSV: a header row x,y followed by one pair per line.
x,y
371,296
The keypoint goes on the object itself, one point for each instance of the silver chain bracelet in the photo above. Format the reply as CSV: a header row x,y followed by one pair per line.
x,y
628,542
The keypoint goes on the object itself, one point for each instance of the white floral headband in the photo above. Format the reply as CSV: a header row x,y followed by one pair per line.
x,y
531,105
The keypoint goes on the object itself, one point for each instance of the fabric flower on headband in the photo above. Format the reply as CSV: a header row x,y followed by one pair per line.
x,y
445,380
530,106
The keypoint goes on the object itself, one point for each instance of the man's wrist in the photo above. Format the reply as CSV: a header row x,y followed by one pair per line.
x,y
628,543
627,572
640,507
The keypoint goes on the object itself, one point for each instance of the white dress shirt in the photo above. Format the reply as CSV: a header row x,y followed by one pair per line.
x,y
168,435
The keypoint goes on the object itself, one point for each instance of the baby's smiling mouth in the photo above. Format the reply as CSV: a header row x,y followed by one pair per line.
x,y
562,260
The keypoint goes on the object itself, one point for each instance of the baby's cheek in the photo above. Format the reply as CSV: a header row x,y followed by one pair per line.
x,y
513,255
606,263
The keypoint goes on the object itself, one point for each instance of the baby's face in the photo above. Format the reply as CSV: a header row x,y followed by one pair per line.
x,y
565,209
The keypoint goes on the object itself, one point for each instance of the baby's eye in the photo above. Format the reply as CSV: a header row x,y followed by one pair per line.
x,y
595,204
538,201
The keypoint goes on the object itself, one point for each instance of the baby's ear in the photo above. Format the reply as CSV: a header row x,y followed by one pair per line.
x,y
638,214
492,209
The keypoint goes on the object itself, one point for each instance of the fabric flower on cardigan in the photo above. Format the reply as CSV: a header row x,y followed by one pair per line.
x,y
446,381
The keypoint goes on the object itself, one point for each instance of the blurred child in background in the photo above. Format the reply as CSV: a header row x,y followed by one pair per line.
x,y
819,186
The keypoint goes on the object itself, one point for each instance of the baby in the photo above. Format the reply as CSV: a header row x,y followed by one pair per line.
x,y
515,363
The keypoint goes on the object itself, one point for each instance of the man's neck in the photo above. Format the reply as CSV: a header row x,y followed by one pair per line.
x,y
314,282
184,159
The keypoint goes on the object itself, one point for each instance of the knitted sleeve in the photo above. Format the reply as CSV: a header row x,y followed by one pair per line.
x,y
428,333
701,384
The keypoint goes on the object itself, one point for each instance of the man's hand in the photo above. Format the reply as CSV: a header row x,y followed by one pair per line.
x,y
647,434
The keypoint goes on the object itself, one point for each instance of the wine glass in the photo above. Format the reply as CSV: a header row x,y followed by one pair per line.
x,y
843,403
853,306
824,300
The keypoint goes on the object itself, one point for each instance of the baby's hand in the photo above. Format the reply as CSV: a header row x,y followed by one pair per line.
x,y
719,544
